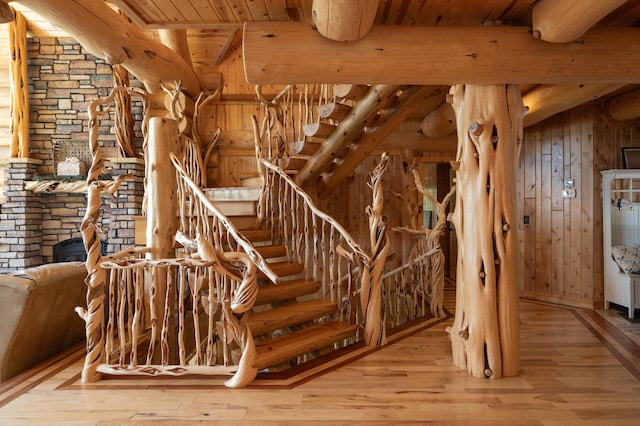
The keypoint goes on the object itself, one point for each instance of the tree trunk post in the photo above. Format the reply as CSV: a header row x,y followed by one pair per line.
x,y
485,335
162,214
19,96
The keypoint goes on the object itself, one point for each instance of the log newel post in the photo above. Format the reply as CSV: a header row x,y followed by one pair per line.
x,y
485,333
371,295
162,209
93,314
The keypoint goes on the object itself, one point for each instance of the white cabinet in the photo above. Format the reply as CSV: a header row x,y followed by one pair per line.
x,y
621,227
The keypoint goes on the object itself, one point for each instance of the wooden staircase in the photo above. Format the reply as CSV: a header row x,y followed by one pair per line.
x,y
348,130
291,321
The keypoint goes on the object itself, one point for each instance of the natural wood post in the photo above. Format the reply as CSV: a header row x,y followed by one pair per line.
x,y
485,333
93,315
124,122
371,289
19,92
162,209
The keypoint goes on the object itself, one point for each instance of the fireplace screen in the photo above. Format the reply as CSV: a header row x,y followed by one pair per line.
x,y
73,249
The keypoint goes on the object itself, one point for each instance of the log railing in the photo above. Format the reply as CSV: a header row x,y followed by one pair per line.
x,y
408,289
332,257
179,335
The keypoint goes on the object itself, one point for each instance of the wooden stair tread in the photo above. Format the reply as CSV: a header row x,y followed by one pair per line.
x,y
283,269
269,293
280,349
271,251
256,235
239,193
288,315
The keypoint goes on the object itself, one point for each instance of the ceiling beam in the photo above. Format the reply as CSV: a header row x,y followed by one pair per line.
x,y
107,35
289,52
440,122
344,20
547,100
561,21
6,13
624,108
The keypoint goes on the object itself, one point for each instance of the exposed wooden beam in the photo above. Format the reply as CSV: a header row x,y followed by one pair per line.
x,y
409,100
562,21
440,122
547,100
289,52
345,132
344,20
109,36
625,107
177,41
6,13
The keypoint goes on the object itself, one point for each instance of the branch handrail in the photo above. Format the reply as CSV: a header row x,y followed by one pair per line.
x,y
353,245
231,229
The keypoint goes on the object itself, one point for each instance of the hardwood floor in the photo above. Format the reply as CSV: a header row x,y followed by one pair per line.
x,y
577,367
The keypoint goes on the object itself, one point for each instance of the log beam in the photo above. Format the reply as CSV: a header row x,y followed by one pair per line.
x,y
289,52
107,35
345,132
561,21
6,13
547,100
176,40
624,108
344,20
407,102
439,123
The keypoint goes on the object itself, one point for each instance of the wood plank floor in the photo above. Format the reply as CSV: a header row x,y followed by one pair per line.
x,y
577,367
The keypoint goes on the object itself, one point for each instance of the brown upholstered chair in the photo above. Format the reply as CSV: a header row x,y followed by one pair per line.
x,y
37,317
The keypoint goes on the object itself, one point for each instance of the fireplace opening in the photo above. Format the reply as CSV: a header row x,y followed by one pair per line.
x,y
73,250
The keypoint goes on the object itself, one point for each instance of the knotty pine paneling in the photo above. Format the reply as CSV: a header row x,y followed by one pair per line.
x,y
562,244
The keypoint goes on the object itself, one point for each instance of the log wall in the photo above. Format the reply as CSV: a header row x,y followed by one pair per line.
x,y
562,244
5,136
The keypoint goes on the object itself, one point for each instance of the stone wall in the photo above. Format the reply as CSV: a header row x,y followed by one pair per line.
x,y
63,80
32,222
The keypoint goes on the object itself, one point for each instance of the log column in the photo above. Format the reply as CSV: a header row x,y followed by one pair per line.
x,y
19,88
485,333
162,217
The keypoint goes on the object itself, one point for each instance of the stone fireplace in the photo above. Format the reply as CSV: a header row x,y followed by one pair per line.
x,y
32,222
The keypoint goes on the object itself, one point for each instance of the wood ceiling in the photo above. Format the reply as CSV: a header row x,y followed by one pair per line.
x,y
214,25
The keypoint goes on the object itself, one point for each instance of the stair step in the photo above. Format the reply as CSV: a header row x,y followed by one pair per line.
x,y
289,315
240,193
271,251
280,349
291,163
350,91
283,269
256,235
269,293
304,147
334,111
318,129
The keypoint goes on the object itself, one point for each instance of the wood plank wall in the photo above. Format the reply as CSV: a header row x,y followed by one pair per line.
x,y
562,244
